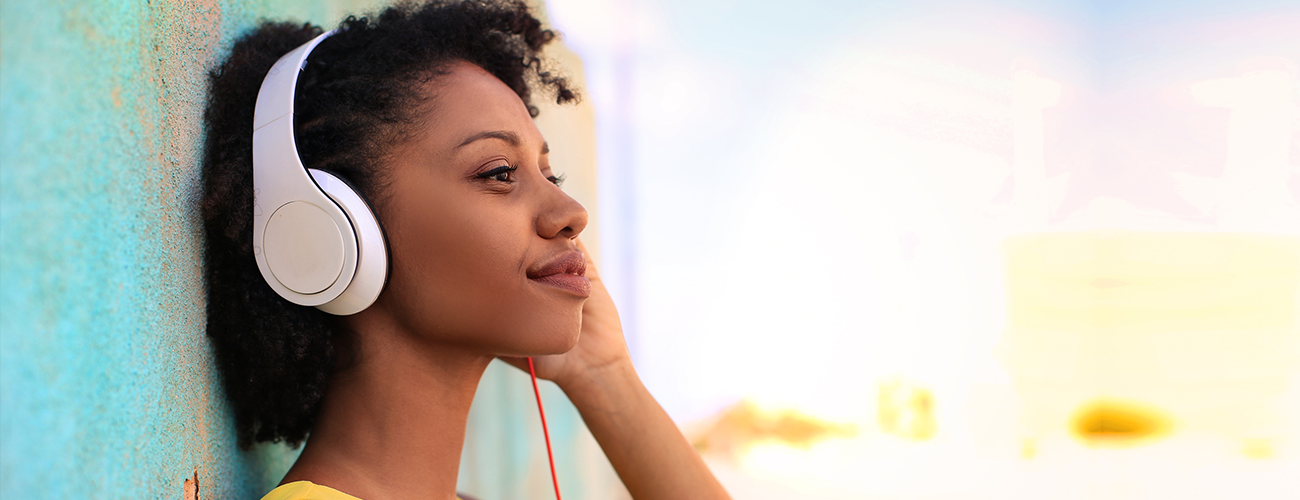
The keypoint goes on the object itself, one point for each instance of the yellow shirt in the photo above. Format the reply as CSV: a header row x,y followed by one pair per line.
x,y
306,490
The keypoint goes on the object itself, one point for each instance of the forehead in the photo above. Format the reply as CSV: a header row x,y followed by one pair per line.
x,y
468,100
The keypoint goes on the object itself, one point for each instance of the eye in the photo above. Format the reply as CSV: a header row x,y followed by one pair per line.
x,y
504,173
558,180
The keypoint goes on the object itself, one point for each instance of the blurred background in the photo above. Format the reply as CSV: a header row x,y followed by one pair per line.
x,y
977,249
862,250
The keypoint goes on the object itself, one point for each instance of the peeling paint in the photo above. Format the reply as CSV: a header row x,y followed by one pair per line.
x,y
192,487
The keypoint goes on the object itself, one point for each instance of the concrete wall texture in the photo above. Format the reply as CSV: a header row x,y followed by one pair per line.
x,y
108,389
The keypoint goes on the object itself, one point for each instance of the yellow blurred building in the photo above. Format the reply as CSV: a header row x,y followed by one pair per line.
x,y
1121,337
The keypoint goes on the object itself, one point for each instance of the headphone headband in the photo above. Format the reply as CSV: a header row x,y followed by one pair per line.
x,y
275,99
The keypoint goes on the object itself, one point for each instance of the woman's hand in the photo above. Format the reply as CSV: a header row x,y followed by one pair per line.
x,y
643,444
601,346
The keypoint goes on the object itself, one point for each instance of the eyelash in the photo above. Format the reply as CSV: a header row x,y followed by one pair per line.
x,y
558,180
504,169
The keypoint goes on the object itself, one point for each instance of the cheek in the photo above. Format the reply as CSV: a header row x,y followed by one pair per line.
x,y
459,276
456,262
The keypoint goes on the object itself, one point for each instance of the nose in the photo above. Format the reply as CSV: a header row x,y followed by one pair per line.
x,y
560,215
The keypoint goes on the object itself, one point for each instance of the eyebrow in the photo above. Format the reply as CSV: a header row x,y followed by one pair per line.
x,y
505,135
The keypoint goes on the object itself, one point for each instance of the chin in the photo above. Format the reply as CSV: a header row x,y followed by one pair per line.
x,y
558,342
553,332
570,342
553,338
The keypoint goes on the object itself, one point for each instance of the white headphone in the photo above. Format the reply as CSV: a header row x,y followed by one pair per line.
x,y
316,241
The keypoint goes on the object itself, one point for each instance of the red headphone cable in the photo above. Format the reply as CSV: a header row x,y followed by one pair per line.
x,y
549,456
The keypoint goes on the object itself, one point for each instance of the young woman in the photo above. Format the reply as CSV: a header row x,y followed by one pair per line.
x,y
425,111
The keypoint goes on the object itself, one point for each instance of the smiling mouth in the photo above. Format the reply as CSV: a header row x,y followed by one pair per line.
x,y
565,272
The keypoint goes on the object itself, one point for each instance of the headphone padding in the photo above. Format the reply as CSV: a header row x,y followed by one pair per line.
x,y
372,251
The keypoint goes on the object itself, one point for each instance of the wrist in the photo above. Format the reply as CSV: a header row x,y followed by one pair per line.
x,y
602,381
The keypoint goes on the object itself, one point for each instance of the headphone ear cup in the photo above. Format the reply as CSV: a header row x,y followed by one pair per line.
x,y
372,251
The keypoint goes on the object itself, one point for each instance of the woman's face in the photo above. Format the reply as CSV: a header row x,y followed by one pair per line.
x,y
483,256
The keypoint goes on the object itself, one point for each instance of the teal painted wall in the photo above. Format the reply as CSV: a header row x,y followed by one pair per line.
x,y
107,387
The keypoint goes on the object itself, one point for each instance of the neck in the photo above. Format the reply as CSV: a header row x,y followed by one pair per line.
x,y
391,427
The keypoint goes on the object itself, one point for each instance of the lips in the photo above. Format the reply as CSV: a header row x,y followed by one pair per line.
x,y
566,271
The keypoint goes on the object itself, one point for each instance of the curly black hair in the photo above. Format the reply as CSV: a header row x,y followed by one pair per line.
x,y
360,93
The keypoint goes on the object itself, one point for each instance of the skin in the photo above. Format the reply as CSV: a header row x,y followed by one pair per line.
x,y
392,425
